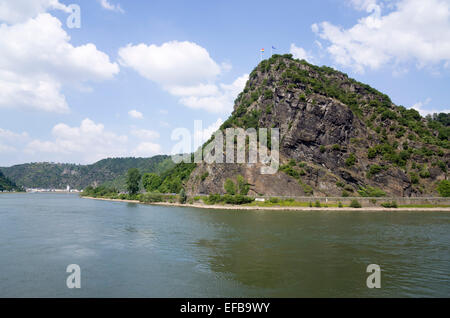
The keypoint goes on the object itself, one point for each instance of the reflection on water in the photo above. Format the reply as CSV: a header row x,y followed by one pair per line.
x,y
127,249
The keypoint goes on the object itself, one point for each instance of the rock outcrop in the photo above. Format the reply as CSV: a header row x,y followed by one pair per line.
x,y
337,137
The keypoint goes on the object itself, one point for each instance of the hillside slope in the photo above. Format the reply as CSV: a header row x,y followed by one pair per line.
x,y
7,185
56,175
337,137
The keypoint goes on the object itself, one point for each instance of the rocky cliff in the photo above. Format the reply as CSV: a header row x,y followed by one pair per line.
x,y
337,137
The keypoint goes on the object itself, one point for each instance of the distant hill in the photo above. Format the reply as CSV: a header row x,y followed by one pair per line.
x,y
7,185
58,175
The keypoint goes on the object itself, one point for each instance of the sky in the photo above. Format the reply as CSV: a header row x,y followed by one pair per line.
x,y
117,81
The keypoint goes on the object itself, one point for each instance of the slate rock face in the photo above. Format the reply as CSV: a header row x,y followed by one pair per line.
x,y
325,119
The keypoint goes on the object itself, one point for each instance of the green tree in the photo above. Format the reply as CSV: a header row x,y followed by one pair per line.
x,y
242,185
230,187
133,180
444,188
151,181
183,196
355,204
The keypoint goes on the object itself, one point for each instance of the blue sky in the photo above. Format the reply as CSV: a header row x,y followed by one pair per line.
x,y
136,70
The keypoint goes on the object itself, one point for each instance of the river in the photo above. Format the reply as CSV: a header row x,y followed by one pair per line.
x,y
134,250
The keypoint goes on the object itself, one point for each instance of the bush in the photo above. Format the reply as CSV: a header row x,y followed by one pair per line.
x,y
317,204
348,188
414,178
230,187
151,197
274,200
242,186
340,184
151,181
444,188
268,94
182,199
350,161
373,170
340,204
213,199
371,192
355,204
307,189
322,149
424,174
204,176
392,204
228,199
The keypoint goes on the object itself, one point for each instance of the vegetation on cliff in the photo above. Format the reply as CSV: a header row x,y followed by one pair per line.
x,y
347,136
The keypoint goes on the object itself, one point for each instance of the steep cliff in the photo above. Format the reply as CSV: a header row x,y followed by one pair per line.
x,y
337,137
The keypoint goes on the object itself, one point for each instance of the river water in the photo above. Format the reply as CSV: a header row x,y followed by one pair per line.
x,y
133,250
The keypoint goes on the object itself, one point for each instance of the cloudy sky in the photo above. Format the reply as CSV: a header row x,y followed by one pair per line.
x,y
136,70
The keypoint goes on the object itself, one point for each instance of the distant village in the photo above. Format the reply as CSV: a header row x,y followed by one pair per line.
x,y
66,190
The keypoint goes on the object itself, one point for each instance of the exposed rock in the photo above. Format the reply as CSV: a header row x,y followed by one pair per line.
x,y
324,118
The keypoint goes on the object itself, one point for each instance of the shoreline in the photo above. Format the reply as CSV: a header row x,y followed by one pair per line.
x,y
278,208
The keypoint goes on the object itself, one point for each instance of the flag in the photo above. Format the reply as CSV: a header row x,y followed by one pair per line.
x,y
262,50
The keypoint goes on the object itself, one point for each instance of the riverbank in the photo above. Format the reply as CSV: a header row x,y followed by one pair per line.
x,y
280,208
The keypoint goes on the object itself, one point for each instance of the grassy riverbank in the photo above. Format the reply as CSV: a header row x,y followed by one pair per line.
x,y
274,204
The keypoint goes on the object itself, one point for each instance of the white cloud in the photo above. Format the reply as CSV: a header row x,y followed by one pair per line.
x,y
87,143
145,134
135,114
6,148
370,6
146,149
206,133
37,59
111,7
219,102
422,108
185,70
414,31
171,64
16,11
300,53
8,135
198,90
9,140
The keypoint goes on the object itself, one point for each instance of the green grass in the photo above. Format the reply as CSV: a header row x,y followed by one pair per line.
x,y
424,205
291,204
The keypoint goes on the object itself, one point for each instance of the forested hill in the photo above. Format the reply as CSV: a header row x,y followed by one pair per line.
x,y
7,185
59,175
